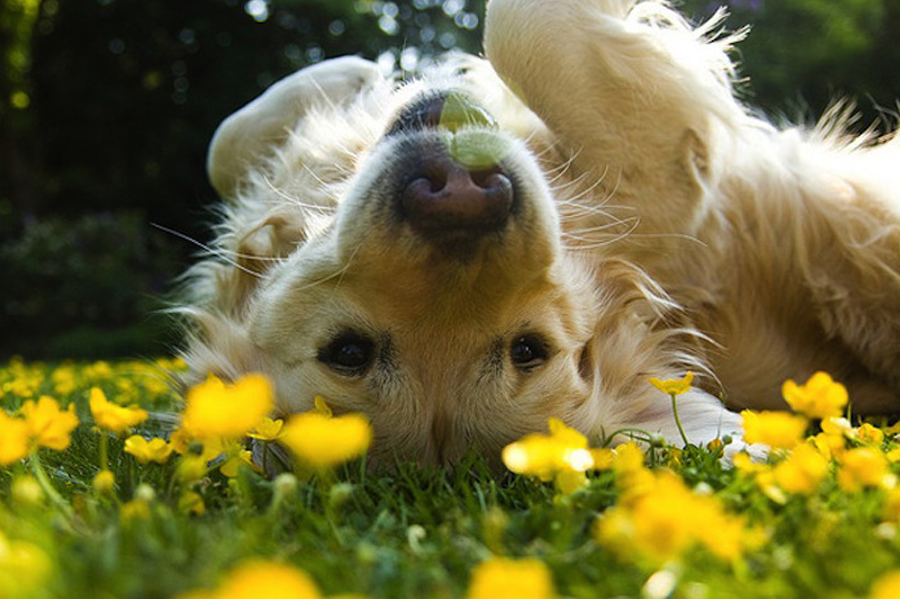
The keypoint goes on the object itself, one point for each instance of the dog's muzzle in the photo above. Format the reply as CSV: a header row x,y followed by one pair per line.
x,y
455,183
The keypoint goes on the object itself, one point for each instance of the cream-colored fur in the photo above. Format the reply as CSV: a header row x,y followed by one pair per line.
x,y
661,228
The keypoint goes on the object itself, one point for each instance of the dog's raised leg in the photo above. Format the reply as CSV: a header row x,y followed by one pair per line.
x,y
252,132
629,88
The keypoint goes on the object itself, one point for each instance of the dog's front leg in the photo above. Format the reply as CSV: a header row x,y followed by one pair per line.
x,y
630,90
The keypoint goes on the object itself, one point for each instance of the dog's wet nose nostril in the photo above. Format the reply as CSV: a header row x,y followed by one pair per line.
x,y
448,197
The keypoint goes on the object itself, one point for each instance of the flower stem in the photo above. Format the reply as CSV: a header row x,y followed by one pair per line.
x,y
678,420
44,481
104,451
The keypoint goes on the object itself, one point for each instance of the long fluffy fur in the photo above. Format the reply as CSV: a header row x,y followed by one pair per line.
x,y
707,239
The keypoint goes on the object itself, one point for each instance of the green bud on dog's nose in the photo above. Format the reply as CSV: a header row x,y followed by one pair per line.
x,y
460,111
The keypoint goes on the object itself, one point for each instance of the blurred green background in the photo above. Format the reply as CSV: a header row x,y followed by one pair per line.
x,y
106,108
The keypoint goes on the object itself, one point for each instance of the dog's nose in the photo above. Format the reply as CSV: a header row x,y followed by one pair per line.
x,y
447,197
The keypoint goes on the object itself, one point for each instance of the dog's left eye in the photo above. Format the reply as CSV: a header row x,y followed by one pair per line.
x,y
349,354
528,352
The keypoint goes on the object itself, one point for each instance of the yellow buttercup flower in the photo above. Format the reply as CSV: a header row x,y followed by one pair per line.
x,y
820,397
231,465
267,429
14,437
191,503
892,507
324,442
48,425
215,409
802,471
114,417
779,430
259,578
104,482
503,578
24,568
869,434
862,467
674,386
562,456
155,450
887,586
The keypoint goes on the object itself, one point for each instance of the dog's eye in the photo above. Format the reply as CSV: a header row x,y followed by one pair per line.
x,y
528,352
350,354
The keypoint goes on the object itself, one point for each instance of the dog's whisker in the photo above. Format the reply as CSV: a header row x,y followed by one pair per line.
x,y
220,253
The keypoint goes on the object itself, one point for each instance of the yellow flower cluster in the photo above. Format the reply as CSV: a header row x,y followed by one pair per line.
x,y
132,380
563,456
503,578
658,518
803,463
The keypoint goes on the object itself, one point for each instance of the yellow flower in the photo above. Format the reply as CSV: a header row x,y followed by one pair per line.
x,y
104,482
267,429
48,425
502,578
776,429
26,490
14,438
24,568
674,386
802,471
258,578
155,450
216,409
862,467
887,586
191,503
820,397
830,445
231,465
323,441
111,416
744,463
869,434
892,507
666,518
136,509
563,456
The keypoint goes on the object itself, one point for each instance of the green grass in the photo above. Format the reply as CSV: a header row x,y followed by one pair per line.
x,y
409,533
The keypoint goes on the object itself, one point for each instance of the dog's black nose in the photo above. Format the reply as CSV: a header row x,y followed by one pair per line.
x,y
446,197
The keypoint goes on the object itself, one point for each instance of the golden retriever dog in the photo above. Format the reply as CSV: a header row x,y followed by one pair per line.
x,y
462,256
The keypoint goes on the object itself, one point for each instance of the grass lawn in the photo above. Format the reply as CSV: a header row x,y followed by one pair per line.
x,y
820,521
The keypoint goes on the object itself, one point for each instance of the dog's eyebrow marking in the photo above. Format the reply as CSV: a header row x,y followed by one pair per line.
x,y
494,362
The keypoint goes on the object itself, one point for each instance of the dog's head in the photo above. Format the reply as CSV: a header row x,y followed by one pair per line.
x,y
401,256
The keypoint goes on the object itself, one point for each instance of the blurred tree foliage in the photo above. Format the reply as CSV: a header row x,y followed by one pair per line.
x,y
106,107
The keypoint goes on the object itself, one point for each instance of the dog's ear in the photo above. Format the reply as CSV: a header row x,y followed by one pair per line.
x,y
253,132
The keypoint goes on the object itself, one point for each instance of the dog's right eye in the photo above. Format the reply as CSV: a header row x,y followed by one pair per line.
x,y
349,354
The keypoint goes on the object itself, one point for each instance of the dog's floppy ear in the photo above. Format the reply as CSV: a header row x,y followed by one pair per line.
x,y
247,136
